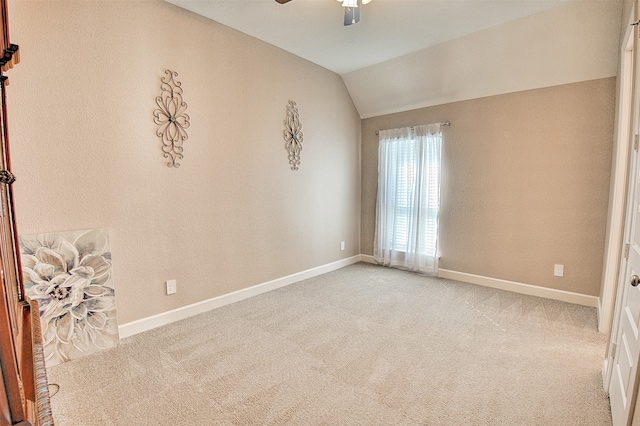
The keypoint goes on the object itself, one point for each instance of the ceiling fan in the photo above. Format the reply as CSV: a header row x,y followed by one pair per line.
x,y
351,10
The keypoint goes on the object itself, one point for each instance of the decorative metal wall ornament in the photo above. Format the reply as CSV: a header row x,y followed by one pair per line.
x,y
171,118
7,177
293,135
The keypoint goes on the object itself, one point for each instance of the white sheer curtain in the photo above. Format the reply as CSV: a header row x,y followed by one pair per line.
x,y
408,202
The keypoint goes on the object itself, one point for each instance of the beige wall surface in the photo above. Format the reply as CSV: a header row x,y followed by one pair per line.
x,y
522,54
525,183
86,154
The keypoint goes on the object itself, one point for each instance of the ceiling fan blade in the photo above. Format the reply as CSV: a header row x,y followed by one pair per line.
x,y
352,14
283,1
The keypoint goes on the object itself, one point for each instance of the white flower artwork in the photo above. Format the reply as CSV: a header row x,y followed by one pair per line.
x,y
69,274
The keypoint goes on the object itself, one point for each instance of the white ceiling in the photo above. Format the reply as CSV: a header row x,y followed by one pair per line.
x,y
314,30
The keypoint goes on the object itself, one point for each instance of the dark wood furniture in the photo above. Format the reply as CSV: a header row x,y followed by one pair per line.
x,y
24,394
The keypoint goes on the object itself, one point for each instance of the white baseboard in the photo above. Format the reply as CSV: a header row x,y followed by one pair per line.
x,y
164,318
601,321
532,290
605,366
368,259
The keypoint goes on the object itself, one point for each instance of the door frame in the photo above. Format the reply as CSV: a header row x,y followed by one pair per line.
x,y
614,278
619,182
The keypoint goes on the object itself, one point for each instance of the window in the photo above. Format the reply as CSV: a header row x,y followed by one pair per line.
x,y
408,202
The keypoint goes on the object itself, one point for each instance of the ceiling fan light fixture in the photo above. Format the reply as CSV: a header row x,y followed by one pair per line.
x,y
352,14
350,3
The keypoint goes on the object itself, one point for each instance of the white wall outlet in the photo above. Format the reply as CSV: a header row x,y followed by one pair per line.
x,y
172,287
558,270
341,245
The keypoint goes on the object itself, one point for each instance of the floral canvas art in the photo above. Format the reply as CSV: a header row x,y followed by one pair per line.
x,y
69,274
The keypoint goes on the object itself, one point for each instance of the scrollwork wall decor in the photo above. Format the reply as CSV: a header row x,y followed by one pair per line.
x,y
171,118
293,135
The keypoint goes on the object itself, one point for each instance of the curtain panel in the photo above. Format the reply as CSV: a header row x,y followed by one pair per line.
x,y
408,200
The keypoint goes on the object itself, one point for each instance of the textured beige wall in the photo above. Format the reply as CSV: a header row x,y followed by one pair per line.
x,y
234,214
525,183
518,55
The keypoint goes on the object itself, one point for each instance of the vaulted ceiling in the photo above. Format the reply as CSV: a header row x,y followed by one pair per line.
x,y
405,35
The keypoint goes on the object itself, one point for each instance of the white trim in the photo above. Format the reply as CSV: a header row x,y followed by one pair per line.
x,y
532,290
605,373
600,311
367,259
164,318
620,178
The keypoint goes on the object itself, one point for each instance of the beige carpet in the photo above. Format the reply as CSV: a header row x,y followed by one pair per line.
x,y
364,345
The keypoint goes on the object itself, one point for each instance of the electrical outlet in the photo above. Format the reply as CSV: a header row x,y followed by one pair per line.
x,y
341,245
172,287
558,270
